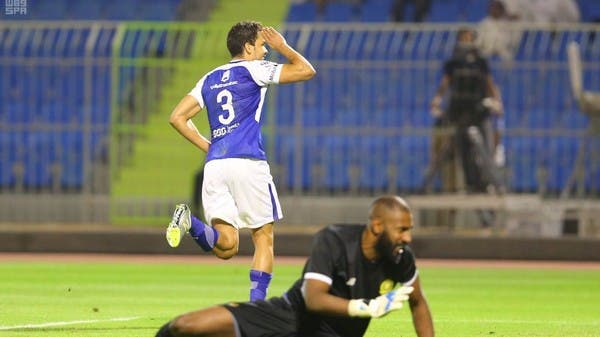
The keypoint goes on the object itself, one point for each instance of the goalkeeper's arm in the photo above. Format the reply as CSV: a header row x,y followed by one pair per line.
x,y
381,305
318,300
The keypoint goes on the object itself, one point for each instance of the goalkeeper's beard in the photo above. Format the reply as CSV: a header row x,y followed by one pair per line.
x,y
387,249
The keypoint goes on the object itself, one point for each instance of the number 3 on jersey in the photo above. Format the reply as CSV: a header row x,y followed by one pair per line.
x,y
225,98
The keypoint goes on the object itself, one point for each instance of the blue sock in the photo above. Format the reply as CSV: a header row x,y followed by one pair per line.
x,y
204,235
259,283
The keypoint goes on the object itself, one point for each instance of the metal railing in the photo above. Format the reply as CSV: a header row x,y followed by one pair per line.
x,y
77,99
363,125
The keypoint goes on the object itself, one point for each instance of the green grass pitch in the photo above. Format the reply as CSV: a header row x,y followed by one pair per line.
x,y
133,299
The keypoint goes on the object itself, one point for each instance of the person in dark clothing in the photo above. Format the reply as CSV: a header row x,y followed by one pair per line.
x,y
473,98
349,278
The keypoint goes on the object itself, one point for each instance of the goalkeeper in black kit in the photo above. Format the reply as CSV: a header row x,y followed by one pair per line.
x,y
354,273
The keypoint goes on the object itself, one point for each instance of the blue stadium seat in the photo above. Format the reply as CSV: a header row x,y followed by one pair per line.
x,y
160,11
373,163
86,10
8,40
51,112
38,161
9,149
47,10
286,150
376,11
71,159
284,96
445,11
474,10
100,143
52,94
283,157
365,96
98,10
538,119
590,11
302,12
562,153
340,12
341,154
410,155
104,46
537,45
593,166
123,9
525,156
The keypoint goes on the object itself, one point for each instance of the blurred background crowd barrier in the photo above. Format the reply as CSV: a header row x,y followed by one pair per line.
x,y
84,106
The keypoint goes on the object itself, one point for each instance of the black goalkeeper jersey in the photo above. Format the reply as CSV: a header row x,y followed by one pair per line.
x,y
337,258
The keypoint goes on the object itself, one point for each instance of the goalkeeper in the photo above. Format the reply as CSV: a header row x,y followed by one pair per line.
x,y
354,273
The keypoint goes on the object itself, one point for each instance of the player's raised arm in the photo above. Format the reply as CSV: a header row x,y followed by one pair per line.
x,y
299,69
181,120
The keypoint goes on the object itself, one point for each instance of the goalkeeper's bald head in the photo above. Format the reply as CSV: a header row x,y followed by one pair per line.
x,y
387,203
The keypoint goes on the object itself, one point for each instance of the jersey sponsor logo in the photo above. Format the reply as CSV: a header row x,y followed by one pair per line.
x,y
271,74
270,68
222,131
223,85
225,76
351,282
386,286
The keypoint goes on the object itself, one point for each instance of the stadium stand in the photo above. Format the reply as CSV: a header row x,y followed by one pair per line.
x,y
50,93
113,10
383,93
442,11
361,126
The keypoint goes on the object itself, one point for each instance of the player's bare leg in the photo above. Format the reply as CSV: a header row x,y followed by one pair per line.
x,y
262,263
227,245
211,322
263,248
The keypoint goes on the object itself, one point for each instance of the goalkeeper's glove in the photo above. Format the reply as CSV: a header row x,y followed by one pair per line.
x,y
379,306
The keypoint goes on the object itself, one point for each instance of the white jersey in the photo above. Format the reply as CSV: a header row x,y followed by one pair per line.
x,y
233,95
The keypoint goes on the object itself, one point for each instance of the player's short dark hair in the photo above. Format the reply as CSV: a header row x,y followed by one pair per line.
x,y
241,33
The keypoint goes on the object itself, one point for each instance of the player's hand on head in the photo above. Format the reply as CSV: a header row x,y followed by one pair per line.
x,y
381,305
273,38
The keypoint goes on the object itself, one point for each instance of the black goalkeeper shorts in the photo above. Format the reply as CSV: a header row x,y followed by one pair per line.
x,y
274,317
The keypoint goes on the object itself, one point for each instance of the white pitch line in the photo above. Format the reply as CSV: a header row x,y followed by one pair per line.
x,y
51,324
520,321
